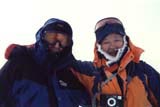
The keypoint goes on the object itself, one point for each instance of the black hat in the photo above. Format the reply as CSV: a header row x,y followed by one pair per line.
x,y
54,25
107,26
59,26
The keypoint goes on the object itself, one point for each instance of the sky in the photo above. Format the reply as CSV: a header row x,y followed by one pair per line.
x,y
20,20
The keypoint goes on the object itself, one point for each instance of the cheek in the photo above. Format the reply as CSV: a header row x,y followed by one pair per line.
x,y
119,45
50,39
63,39
105,47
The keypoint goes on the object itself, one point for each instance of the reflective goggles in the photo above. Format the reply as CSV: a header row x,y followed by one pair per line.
x,y
108,20
52,38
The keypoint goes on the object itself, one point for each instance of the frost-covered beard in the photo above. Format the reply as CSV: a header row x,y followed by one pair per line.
x,y
112,59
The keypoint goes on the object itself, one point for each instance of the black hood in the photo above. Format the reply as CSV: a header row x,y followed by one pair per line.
x,y
54,24
41,53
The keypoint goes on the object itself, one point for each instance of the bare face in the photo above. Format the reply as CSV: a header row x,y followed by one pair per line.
x,y
112,43
57,41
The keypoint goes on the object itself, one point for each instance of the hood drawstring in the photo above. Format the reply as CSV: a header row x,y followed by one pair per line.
x,y
112,59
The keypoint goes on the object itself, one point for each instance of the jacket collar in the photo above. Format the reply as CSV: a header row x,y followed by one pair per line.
x,y
133,54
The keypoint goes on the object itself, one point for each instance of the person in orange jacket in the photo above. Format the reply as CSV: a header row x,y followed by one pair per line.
x,y
120,78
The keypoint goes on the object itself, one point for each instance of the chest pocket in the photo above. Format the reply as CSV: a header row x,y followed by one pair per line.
x,y
67,80
112,86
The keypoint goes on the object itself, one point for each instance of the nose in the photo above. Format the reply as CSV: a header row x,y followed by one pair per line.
x,y
112,45
57,45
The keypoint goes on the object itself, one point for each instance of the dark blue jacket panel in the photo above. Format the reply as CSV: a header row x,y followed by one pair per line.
x,y
23,83
153,80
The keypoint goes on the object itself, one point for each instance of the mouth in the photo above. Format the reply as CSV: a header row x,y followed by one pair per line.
x,y
54,49
113,52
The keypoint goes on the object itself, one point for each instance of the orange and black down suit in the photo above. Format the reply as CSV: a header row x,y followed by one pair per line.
x,y
137,82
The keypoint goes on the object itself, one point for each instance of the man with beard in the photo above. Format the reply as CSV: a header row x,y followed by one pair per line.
x,y
39,75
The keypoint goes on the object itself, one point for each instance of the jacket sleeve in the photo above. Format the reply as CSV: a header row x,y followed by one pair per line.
x,y
85,72
6,82
84,67
8,73
15,50
153,81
